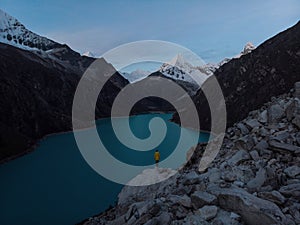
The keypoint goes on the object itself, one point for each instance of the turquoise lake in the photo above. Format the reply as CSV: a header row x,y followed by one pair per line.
x,y
55,185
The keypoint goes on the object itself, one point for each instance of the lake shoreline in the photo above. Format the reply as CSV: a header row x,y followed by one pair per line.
x,y
35,144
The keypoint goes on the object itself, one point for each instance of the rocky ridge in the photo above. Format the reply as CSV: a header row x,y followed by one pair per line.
x,y
255,178
248,82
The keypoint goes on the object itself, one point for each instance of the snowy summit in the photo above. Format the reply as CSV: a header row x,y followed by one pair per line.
x,y
89,54
180,69
14,33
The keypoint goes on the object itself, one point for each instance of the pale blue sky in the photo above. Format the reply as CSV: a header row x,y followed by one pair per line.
x,y
213,29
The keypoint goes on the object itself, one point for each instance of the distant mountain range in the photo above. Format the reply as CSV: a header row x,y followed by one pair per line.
x,y
38,79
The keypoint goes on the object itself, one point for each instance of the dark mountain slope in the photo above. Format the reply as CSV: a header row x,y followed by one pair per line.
x,y
36,97
248,82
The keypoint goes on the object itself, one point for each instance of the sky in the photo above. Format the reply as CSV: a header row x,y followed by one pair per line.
x,y
213,29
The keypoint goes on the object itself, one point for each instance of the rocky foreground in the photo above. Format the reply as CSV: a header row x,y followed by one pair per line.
x,y
255,178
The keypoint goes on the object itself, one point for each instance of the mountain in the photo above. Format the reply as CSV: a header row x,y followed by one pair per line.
x,y
253,79
38,79
89,54
14,33
253,180
36,98
135,75
180,69
249,47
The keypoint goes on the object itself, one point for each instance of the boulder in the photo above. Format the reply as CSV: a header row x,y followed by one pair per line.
x,y
252,123
258,181
208,212
291,190
244,143
297,90
200,198
238,157
263,117
244,130
182,200
254,155
273,196
296,121
292,171
253,210
191,178
275,113
282,147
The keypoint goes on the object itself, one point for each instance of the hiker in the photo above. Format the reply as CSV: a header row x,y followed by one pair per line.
x,y
156,157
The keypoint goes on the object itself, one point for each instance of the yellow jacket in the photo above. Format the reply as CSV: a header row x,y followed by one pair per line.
x,y
156,156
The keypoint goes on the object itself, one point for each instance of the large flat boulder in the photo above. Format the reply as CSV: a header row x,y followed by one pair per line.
x,y
252,209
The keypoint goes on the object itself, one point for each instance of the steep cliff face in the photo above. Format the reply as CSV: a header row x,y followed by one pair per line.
x,y
249,81
37,95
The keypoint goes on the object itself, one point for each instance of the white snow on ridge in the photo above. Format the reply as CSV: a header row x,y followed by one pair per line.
x,y
249,47
89,54
179,69
14,33
136,75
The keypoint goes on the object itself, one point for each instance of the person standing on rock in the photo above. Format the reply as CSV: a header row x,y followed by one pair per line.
x,y
156,157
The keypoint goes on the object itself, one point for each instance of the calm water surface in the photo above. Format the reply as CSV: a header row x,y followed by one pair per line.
x,y
54,185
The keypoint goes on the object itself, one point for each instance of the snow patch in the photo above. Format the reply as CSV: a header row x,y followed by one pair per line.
x,y
136,75
89,54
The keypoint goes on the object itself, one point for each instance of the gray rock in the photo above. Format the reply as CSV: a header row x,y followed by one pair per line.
x,y
200,198
191,178
182,200
244,130
244,143
263,117
239,183
282,147
275,113
281,135
292,171
296,121
253,210
297,90
254,155
291,109
252,123
291,190
263,132
238,157
229,176
208,212
273,196
164,218
193,220
261,145
258,181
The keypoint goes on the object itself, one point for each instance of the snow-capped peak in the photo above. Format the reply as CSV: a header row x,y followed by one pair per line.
x,y
248,48
89,54
179,69
135,75
14,33
180,62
